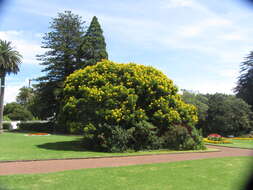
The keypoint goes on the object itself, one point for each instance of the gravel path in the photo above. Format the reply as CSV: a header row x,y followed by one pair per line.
x,y
46,166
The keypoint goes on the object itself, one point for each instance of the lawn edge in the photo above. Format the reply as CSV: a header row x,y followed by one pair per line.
x,y
116,156
228,146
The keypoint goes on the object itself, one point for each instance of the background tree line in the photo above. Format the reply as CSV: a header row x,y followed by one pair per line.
x,y
221,113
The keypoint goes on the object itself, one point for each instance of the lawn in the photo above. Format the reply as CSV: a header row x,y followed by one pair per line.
x,y
230,173
238,144
17,146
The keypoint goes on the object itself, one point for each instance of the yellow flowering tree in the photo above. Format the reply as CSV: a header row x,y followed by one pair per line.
x,y
129,104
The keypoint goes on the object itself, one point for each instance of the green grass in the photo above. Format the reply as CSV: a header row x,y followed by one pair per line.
x,y
228,173
239,144
17,146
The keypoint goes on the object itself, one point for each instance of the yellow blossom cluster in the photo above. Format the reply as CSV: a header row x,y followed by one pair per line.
x,y
122,94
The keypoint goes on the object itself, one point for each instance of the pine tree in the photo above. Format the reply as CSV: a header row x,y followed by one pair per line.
x,y
244,88
93,47
61,59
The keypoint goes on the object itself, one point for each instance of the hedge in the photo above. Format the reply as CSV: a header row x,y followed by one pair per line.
x,y
7,125
36,126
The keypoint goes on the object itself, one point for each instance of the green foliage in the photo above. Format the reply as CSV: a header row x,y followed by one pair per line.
x,y
139,99
36,126
6,118
244,88
228,115
16,112
93,46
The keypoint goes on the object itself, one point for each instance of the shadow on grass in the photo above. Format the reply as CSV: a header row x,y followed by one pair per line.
x,y
64,145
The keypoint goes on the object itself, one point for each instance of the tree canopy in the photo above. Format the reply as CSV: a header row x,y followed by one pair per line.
x,y
121,106
93,46
244,88
228,115
25,96
10,59
69,48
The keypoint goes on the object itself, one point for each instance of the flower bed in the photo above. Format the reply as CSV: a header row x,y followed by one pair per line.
x,y
38,134
214,137
240,138
222,141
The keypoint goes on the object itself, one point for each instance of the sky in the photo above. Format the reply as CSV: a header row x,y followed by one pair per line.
x,y
199,44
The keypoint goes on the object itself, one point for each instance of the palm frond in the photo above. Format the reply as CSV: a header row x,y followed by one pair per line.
x,y
10,59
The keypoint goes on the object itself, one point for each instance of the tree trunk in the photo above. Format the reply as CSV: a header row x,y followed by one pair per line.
x,y
2,83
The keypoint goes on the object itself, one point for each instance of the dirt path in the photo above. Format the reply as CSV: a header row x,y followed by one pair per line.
x,y
47,166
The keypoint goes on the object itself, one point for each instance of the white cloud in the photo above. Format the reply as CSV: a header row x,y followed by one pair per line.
x,y
11,91
183,3
28,49
203,25
207,86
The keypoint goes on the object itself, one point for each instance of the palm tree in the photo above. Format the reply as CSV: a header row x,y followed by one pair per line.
x,y
9,63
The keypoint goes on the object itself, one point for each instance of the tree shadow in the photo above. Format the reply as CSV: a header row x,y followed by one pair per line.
x,y
75,145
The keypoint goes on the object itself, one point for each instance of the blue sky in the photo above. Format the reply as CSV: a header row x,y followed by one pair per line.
x,y
199,44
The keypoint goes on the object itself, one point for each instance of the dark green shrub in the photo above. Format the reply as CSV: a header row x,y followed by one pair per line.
x,y
142,101
7,126
36,126
118,139
144,137
106,138
180,138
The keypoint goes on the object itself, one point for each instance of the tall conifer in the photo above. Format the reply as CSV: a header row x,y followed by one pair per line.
x,y
94,47
61,59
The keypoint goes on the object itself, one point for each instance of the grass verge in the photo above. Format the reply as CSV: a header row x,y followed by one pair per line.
x,y
230,173
17,146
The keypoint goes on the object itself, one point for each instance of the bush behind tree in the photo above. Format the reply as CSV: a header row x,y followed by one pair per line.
x,y
200,101
17,112
126,104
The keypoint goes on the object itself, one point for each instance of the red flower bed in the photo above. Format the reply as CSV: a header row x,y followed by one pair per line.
x,y
214,137
39,134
